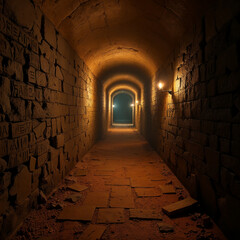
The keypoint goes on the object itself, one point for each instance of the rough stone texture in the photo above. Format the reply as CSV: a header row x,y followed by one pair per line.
x,y
32,103
196,129
22,185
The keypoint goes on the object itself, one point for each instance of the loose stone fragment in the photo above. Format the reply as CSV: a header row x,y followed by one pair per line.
x,y
77,187
165,228
74,197
179,207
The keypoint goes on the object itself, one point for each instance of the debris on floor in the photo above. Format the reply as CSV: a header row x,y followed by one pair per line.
x,y
167,189
77,187
179,207
165,228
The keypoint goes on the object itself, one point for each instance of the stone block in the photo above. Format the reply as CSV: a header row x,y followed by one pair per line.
x,y
4,130
59,74
17,158
58,141
41,79
38,111
18,112
54,83
22,90
32,164
54,127
31,75
34,60
235,150
42,147
5,47
22,185
41,160
3,147
50,33
21,128
17,144
4,95
3,165
44,64
39,130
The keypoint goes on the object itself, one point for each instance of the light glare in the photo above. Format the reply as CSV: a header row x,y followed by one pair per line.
x,y
160,85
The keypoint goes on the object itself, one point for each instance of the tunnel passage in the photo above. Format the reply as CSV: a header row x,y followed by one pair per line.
x,y
60,63
123,108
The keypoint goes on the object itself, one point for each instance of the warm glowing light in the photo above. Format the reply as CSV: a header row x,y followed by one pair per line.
x,y
160,85
137,102
113,106
132,105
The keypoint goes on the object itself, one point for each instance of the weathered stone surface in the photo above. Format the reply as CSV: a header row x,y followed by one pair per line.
x,y
147,192
4,130
31,75
22,185
22,12
59,74
77,213
38,111
110,215
5,47
93,232
77,187
145,214
167,189
20,129
44,64
58,141
50,33
41,79
98,199
39,130
5,93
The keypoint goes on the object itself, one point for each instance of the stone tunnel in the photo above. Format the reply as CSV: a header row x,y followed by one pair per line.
x,y
120,119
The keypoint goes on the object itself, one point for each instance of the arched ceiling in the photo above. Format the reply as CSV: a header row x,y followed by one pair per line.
x,y
112,32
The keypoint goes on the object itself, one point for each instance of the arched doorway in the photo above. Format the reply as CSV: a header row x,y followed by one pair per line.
x,y
123,108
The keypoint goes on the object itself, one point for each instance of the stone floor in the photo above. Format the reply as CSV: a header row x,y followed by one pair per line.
x,y
118,191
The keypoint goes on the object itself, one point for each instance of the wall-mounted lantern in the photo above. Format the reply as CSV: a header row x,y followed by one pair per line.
x,y
160,87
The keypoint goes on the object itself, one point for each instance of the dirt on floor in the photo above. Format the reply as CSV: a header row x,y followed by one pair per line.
x,y
118,192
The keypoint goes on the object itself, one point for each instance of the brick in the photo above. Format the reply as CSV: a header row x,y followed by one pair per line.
x,y
54,127
31,75
38,111
50,33
34,60
5,93
32,164
42,147
20,129
4,130
59,74
41,160
3,147
3,165
18,112
67,88
22,185
5,48
17,158
39,130
44,64
58,141
41,79
18,144
54,83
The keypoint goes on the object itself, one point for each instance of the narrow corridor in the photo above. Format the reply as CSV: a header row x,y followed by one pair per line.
x,y
104,193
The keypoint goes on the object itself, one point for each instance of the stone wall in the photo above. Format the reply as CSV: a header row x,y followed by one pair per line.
x,y
47,110
197,129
